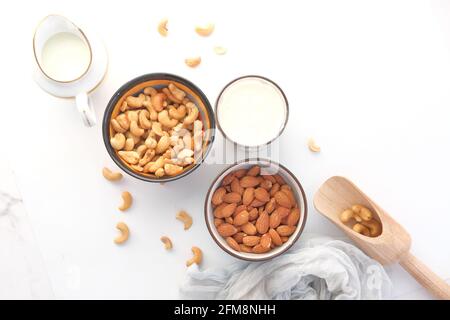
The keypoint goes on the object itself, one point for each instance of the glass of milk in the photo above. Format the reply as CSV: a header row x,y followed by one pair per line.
x,y
64,56
252,111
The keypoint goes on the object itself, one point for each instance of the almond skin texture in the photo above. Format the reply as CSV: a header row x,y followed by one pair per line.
x,y
266,184
275,189
287,190
217,196
254,171
279,179
248,196
293,217
260,249
218,222
240,173
241,218
266,240
245,248
253,214
218,210
262,195
236,187
256,203
239,209
249,229
286,231
228,179
283,212
228,210
226,230
270,206
232,197
269,178
275,220
239,236
284,239
262,223
233,244
276,239
251,240
249,182
283,200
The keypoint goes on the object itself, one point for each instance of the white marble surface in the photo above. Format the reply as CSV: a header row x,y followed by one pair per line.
x,y
368,80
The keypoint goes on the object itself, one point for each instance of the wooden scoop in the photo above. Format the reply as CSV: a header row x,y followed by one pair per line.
x,y
338,194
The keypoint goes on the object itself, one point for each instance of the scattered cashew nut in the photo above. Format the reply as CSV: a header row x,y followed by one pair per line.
x,y
127,199
205,30
184,217
193,62
163,118
313,146
197,258
167,242
124,233
162,27
111,176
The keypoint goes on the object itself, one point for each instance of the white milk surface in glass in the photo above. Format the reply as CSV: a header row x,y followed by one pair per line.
x,y
65,56
251,111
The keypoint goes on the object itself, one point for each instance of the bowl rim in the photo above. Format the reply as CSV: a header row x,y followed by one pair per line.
x,y
287,247
216,106
134,82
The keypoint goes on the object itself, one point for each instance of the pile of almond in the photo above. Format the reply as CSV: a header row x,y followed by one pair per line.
x,y
254,213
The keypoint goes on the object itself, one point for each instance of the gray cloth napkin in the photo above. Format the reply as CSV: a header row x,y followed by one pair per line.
x,y
316,267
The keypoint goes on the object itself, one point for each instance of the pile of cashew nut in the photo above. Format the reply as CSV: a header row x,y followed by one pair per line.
x,y
158,132
362,220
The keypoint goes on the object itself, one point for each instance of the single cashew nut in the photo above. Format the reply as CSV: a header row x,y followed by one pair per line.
x,y
205,30
197,258
135,130
127,200
361,229
132,115
150,142
141,150
163,118
192,114
150,91
162,27
313,146
131,157
135,102
111,176
123,121
163,144
116,126
193,62
160,173
118,141
362,211
148,156
178,93
144,119
184,217
129,144
220,50
136,139
167,242
185,153
374,227
124,233
153,166
157,129
170,96
172,169
177,113
124,106
158,101
198,135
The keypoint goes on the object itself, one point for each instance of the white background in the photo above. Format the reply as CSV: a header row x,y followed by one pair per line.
x,y
369,80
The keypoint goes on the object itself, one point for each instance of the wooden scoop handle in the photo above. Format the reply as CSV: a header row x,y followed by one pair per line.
x,y
431,281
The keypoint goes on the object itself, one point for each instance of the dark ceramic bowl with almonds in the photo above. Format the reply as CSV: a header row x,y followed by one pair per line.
x,y
255,209
145,86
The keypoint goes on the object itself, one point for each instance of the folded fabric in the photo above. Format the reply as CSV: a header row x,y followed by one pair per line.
x,y
315,268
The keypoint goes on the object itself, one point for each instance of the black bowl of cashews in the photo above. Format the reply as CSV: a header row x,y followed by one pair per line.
x,y
158,127
255,209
